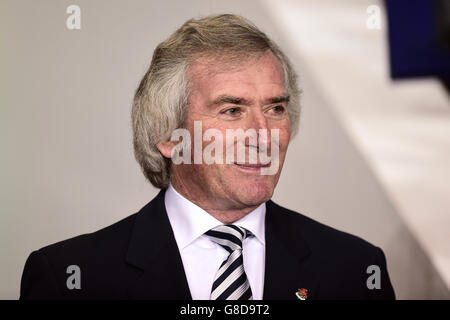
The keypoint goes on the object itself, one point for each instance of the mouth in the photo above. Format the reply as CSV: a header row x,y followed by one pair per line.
x,y
251,167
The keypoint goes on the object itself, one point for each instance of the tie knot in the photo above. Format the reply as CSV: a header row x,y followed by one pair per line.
x,y
229,236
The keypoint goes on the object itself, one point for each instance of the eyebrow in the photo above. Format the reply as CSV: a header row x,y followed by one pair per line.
x,y
278,99
225,98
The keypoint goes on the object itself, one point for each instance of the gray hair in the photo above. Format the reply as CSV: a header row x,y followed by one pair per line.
x,y
161,99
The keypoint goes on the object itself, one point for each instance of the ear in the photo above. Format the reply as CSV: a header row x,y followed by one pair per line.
x,y
166,148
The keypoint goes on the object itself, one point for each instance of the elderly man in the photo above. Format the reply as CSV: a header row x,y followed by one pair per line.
x,y
212,232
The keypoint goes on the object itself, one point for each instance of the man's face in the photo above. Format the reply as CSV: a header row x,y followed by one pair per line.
x,y
224,98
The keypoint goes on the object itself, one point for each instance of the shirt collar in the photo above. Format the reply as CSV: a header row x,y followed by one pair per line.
x,y
189,221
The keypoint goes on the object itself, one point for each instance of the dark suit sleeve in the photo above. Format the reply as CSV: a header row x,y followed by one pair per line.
x,y
38,280
386,292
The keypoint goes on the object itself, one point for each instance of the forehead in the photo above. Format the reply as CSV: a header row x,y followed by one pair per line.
x,y
256,76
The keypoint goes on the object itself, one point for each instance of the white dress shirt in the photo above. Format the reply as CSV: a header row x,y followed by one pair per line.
x,y
202,257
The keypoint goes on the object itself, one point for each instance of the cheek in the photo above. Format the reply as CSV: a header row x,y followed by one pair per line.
x,y
284,140
285,133
284,137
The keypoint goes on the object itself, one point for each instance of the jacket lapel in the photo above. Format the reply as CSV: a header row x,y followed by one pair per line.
x,y
154,251
287,265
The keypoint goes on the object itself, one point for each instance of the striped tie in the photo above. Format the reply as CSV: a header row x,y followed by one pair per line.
x,y
230,282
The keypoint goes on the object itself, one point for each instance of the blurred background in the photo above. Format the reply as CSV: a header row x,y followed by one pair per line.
x,y
372,156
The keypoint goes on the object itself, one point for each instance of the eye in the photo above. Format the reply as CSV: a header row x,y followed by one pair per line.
x,y
232,111
278,109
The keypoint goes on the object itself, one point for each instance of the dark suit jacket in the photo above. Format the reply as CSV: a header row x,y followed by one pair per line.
x,y
138,258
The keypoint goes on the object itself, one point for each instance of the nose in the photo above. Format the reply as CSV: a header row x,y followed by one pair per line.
x,y
258,121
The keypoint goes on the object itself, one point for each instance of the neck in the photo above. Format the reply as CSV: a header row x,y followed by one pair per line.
x,y
220,210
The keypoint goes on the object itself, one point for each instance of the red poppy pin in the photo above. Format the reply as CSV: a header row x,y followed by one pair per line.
x,y
302,294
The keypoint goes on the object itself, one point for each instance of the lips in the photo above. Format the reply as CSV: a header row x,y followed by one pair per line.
x,y
252,166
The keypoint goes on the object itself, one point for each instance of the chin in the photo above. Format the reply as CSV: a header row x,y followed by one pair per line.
x,y
255,193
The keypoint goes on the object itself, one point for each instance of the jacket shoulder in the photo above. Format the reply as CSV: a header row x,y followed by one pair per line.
x,y
113,236
343,262
99,256
324,239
